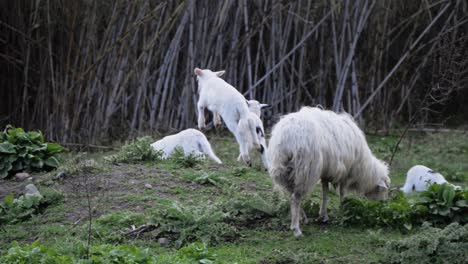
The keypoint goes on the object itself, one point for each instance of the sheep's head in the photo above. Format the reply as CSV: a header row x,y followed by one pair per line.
x,y
205,74
380,191
256,107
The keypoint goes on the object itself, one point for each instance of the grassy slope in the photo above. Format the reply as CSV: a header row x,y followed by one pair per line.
x,y
121,189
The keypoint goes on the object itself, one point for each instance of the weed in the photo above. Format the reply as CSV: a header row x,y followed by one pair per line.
x,y
182,160
139,150
432,245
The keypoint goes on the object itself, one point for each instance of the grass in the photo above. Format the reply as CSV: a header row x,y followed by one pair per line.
x,y
120,199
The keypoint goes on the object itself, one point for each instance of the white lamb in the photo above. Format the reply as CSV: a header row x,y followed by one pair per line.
x,y
190,140
314,144
419,178
220,97
255,108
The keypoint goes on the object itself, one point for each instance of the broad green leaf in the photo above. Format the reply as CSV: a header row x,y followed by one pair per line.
x,y
36,136
52,162
7,147
53,148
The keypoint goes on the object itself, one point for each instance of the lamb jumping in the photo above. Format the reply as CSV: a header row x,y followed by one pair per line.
x,y
419,178
190,140
314,144
223,99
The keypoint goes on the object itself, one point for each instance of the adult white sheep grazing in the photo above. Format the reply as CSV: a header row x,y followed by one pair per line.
x,y
190,140
314,144
419,178
220,97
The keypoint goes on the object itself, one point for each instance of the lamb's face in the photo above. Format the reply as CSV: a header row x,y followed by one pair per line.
x,y
256,107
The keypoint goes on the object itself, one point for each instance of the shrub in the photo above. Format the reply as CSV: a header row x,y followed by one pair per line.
x,y
26,151
17,210
432,245
186,224
139,150
440,204
180,160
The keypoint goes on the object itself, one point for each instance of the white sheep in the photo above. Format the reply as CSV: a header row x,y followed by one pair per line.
x,y
222,98
190,140
419,178
313,145
255,108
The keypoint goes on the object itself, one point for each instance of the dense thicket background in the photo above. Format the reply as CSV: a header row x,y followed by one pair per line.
x,y
87,71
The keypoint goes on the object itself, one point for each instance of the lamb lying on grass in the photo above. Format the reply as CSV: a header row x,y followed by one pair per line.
x,y
419,178
314,144
190,140
221,98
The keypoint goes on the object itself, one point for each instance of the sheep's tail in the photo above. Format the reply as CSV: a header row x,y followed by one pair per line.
x,y
206,148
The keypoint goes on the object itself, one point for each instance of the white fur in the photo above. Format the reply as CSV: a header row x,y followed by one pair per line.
x,y
419,178
313,145
223,99
190,140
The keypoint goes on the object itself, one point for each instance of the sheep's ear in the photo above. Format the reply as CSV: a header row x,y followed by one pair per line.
x,y
220,73
382,184
264,105
198,71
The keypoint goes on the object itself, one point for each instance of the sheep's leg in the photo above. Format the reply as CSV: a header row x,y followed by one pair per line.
x,y
296,214
243,141
217,120
201,116
240,157
305,219
323,217
341,191
244,150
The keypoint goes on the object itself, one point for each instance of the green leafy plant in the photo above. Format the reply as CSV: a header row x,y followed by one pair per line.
x,y
444,204
34,253
139,150
206,179
440,204
432,245
26,151
186,224
181,160
26,206
16,210
102,253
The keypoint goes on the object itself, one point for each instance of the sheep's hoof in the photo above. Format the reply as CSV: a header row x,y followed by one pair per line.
x,y
297,232
323,219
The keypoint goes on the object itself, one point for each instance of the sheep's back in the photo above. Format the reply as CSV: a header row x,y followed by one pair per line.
x,y
331,143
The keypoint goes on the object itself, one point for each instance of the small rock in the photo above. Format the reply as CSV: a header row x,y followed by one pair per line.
x,y
163,241
21,176
30,179
149,186
132,182
31,190
61,175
